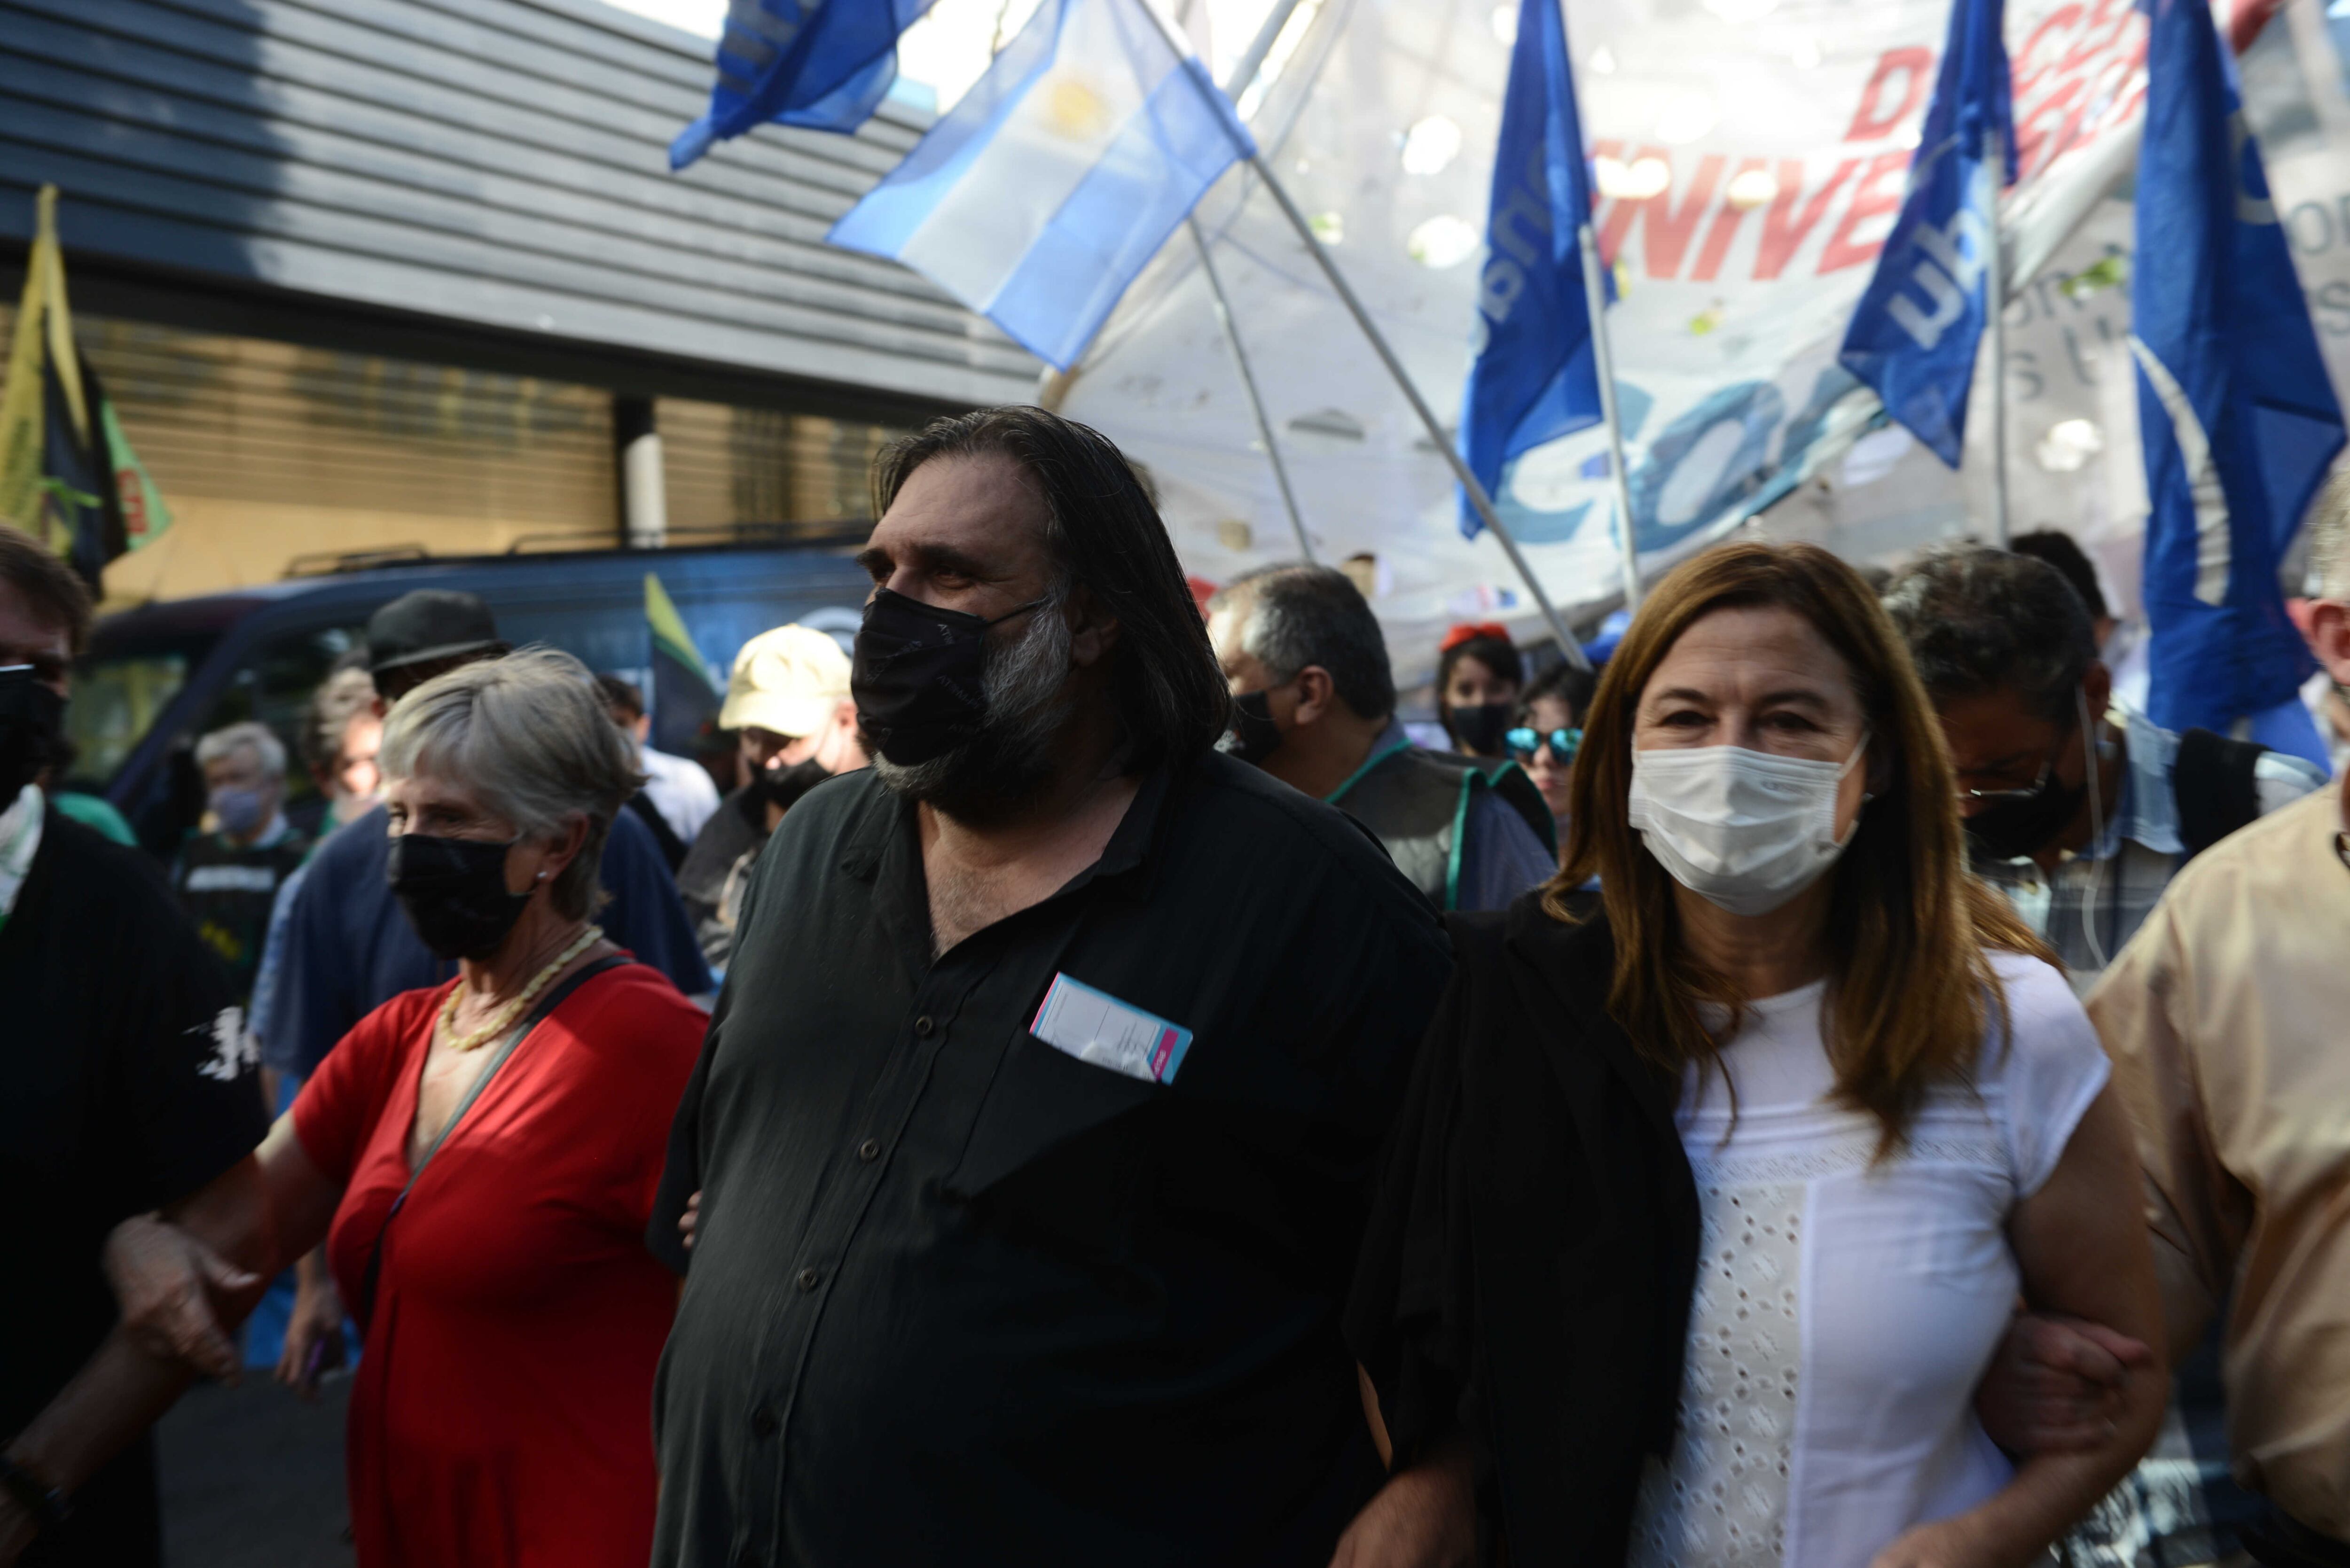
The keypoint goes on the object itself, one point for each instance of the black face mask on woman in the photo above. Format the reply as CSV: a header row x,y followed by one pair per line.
x,y
31,714
1480,729
919,676
453,891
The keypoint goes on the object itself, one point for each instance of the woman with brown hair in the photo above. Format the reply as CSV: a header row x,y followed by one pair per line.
x,y
1716,1190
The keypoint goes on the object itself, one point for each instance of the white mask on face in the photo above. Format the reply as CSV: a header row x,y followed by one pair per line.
x,y
1743,829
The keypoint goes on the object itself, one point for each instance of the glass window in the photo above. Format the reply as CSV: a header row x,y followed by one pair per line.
x,y
117,699
274,685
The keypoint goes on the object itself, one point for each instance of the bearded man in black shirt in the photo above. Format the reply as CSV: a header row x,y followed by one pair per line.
x,y
128,1087
1032,1127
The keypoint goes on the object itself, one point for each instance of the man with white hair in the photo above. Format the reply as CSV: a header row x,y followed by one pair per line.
x,y
229,870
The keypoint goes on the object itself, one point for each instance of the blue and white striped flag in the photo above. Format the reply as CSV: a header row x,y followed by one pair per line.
x,y
821,64
1041,195
1913,337
2236,414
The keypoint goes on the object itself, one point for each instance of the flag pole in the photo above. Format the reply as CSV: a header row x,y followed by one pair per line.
x,y
1483,503
1603,365
1248,381
1995,307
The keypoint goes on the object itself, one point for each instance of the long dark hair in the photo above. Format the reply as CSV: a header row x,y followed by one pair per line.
x,y
1103,531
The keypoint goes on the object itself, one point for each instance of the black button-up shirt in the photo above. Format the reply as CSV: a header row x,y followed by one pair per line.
x,y
959,1297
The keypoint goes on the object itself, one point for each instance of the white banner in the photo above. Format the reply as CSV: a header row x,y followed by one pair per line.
x,y
1752,156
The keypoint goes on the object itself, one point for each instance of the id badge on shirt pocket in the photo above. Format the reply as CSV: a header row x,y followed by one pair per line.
x,y
1094,1026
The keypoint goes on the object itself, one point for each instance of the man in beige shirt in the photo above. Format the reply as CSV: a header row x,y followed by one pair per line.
x,y
2228,1019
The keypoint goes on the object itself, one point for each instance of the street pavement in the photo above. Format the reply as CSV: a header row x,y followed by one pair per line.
x,y
253,1477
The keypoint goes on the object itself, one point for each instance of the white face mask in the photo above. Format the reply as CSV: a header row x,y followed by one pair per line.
x,y
1743,829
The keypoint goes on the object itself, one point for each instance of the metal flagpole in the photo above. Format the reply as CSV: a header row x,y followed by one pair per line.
x,y
1402,378
1248,381
1603,365
1995,307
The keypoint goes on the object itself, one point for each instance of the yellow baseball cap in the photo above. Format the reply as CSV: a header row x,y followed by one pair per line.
x,y
787,681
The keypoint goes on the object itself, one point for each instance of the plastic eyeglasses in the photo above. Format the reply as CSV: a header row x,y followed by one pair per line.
x,y
1524,742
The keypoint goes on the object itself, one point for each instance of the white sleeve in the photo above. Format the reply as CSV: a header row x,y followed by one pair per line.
x,y
2279,779
2052,1070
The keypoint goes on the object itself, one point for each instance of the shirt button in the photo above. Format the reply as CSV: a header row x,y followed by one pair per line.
x,y
808,1277
923,1026
763,1423
870,1150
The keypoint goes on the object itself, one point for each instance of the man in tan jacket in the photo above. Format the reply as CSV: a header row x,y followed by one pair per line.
x,y
2228,1019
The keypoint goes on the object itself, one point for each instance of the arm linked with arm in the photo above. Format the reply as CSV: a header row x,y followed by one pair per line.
x,y
2079,1256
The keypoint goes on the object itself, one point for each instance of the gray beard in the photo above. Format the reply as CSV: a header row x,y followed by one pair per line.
x,y
1000,769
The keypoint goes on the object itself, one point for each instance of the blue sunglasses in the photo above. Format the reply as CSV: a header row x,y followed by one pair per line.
x,y
1525,742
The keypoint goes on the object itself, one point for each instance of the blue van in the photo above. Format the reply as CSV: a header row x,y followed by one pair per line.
x,y
158,677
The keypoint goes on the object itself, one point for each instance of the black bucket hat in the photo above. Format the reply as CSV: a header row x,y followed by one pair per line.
x,y
429,624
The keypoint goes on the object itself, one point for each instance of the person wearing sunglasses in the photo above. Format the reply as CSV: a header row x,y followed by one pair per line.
x,y
2081,820
2223,1019
1549,729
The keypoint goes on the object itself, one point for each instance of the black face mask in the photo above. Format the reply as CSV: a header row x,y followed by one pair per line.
x,y
919,676
453,891
1480,729
1253,735
31,715
2021,824
780,787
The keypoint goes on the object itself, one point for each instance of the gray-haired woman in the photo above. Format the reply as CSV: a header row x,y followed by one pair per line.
x,y
481,1157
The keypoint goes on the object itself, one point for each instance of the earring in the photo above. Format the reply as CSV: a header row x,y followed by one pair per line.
x,y
542,875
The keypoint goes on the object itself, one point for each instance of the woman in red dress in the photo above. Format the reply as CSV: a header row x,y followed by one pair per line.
x,y
483,1174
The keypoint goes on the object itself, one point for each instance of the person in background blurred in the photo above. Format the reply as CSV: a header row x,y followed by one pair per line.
x,y
1550,729
2062,551
127,1087
1315,707
228,874
349,951
1478,675
480,1157
2081,821
676,790
787,699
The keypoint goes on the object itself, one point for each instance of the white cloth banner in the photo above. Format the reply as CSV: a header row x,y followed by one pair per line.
x,y
1751,159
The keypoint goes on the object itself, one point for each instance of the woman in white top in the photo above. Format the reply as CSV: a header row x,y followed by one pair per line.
x,y
1715,1194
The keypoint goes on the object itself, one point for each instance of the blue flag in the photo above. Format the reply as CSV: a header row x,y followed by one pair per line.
x,y
822,64
2237,418
1914,334
1039,197
1533,380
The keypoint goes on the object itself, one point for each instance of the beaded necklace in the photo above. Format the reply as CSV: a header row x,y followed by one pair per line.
x,y
506,1013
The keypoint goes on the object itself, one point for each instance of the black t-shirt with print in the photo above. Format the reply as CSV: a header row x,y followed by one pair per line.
x,y
129,1085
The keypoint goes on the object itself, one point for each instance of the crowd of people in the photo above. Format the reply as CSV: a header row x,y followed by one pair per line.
x,y
1092,1086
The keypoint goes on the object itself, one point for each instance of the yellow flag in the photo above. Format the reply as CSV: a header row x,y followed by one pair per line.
x,y
20,399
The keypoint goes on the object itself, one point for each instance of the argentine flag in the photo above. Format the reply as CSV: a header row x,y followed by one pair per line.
x,y
1039,197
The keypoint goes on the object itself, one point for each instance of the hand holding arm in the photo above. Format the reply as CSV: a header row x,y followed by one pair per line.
x,y
2058,1384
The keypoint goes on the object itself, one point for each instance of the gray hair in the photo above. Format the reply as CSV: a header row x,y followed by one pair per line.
x,y
2329,539
1300,615
231,738
1979,620
528,734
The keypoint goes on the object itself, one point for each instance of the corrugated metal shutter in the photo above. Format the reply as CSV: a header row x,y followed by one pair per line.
x,y
268,451
730,465
496,161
